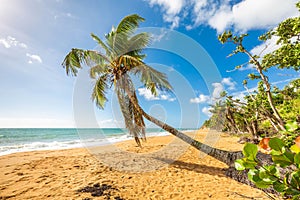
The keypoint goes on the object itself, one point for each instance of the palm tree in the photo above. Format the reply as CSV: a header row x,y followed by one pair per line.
x,y
120,58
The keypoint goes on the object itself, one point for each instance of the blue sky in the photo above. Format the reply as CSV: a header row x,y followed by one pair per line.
x,y
35,35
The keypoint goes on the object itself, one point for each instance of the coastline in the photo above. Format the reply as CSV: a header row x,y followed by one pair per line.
x,y
14,140
60,174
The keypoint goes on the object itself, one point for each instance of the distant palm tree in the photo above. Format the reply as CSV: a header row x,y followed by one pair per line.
x,y
122,56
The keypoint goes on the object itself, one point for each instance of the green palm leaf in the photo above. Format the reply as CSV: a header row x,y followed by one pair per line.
x,y
129,24
98,94
152,79
72,61
139,42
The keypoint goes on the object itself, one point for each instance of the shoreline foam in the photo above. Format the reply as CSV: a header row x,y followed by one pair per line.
x,y
79,142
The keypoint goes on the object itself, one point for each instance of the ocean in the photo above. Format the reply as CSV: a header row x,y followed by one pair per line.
x,y
14,140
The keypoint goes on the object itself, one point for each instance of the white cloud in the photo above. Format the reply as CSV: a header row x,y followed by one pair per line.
x,y
253,14
147,94
150,97
206,111
201,99
222,14
218,88
10,41
157,37
250,14
171,9
261,50
33,58
220,18
266,47
229,82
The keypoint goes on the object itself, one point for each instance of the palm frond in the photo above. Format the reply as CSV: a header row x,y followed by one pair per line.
x,y
99,70
152,79
73,61
99,92
129,24
76,58
92,57
108,50
138,42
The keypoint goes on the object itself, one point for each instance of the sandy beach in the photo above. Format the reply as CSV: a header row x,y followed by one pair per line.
x,y
123,171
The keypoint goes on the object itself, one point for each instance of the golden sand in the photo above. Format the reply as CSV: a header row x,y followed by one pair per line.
x,y
147,173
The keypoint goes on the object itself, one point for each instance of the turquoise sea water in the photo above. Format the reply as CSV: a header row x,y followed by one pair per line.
x,y
30,139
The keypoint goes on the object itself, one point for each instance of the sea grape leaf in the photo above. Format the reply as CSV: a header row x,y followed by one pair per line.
x,y
295,180
276,144
248,163
282,160
279,187
297,158
250,151
239,164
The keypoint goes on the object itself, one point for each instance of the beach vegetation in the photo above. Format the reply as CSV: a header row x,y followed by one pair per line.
x,y
271,115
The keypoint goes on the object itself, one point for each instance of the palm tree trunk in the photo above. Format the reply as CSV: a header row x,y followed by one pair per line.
x,y
226,157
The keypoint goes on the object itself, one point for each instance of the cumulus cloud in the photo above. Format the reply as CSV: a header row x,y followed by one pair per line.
x,y
10,41
229,82
222,14
33,58
218,88
150,97
200,99
251,14
261,50
171,10
206,111
158,37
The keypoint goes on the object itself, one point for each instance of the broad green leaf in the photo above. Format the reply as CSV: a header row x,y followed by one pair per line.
x,y
295,179
273,170
282,160
289,155
266,176
262,184
276,144
250,151
248,163
292,191
239,164
279,187
297,158
253,175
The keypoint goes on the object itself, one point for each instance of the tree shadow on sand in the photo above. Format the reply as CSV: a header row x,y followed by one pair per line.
x,y
204,169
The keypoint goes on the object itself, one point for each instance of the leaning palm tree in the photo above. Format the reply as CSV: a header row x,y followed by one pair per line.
x,y
121,57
